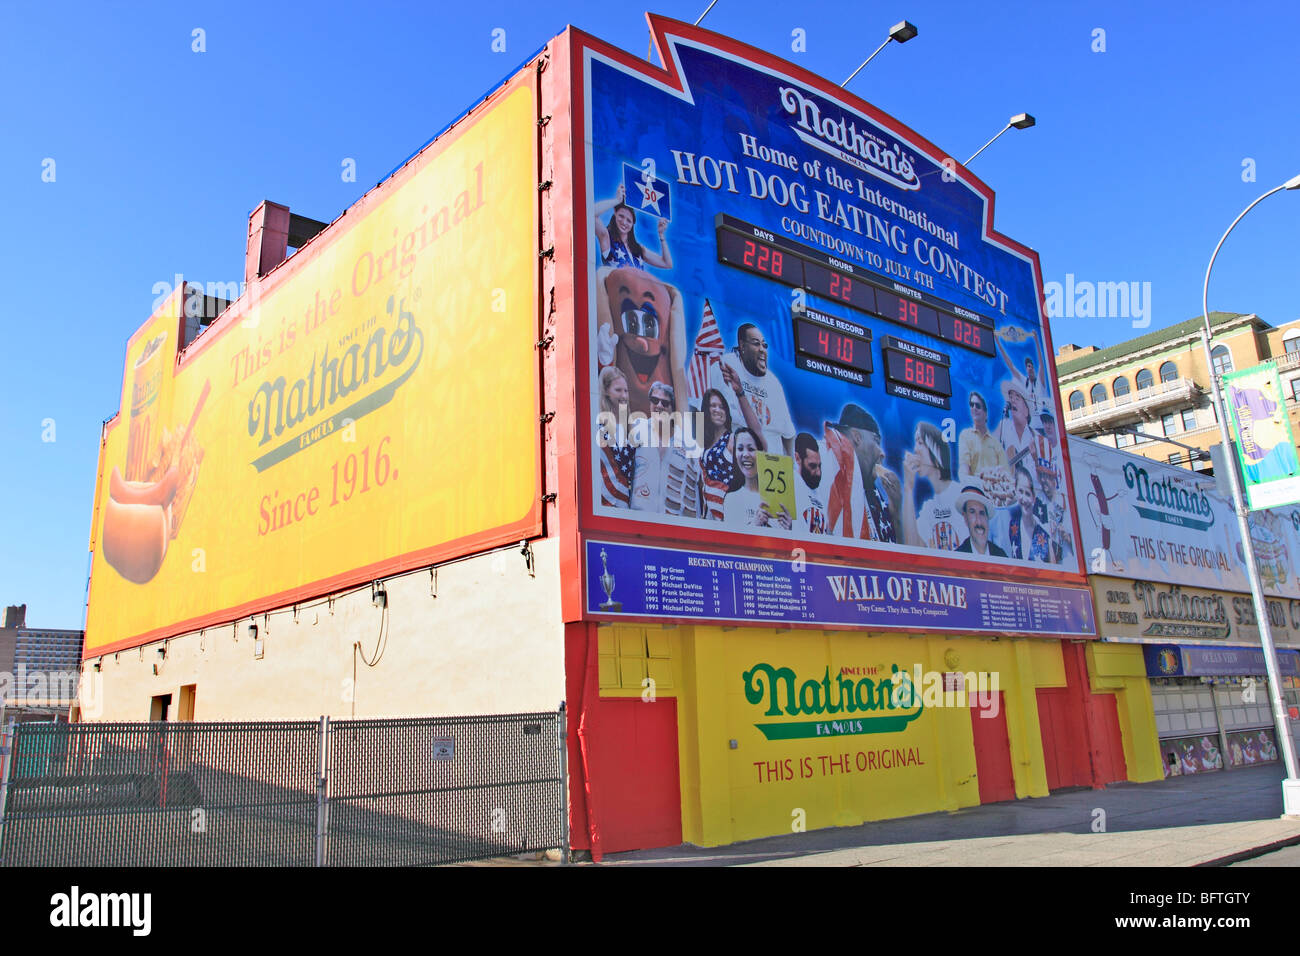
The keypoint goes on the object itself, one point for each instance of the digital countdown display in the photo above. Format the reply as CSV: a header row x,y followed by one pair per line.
x,y
839,287
907,312
759,257
832,346
967,332
756,251
912,370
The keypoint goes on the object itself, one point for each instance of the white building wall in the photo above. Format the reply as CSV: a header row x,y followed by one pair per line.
x,y
491,641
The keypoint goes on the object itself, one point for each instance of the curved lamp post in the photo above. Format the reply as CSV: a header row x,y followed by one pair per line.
x,y
1290,786
1019,121
900,32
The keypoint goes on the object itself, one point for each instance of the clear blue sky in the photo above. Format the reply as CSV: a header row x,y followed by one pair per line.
x,y
1133,172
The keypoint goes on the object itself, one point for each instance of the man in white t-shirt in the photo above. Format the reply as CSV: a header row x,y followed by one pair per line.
x,y
809,492
754,393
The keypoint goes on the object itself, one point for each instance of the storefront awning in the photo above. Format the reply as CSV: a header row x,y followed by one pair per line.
x,y
1172,660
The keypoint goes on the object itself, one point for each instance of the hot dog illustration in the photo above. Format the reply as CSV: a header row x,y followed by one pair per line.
x,y
135,539
144,492
139,520
1099,508
641,323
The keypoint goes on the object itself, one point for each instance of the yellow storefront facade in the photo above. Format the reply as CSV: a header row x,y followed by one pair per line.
x,y
780,730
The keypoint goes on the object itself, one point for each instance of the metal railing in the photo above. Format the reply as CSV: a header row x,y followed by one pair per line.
x,y
388,792
1156,394
1287,361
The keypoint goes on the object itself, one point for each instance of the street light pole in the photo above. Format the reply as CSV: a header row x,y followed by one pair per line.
x,y
1290,786
1200,454
900,32
1019,121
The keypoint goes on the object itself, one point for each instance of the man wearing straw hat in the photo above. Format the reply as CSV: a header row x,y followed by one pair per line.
x,y
1014,431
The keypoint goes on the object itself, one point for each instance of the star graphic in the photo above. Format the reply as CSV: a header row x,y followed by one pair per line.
x,y
649,196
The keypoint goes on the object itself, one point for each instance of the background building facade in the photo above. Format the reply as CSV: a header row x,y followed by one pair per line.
x,y
41,667
1158,384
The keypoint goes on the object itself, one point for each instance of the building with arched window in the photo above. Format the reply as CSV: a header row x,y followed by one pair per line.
x,y
1171,396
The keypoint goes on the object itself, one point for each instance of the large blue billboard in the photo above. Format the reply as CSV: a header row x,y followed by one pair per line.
x,y
800,326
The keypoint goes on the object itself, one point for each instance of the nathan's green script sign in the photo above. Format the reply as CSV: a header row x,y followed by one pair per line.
x,y
1264,441
895,701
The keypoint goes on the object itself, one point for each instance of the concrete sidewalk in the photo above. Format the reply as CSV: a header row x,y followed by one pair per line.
x,y
1183,821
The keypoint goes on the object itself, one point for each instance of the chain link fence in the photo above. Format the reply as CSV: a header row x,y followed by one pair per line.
x,y
387,792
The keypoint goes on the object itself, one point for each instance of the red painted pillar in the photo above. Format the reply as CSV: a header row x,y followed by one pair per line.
x,y
1080,700
1101,734
579,648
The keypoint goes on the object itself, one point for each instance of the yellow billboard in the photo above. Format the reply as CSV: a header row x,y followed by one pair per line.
x,y
371,406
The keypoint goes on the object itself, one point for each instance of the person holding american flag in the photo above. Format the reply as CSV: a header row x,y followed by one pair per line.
x,y
719,465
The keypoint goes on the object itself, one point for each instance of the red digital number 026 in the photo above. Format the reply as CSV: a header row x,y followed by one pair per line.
x,y
970,334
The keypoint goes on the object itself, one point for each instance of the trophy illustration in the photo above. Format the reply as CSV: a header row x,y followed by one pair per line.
x,y
607,585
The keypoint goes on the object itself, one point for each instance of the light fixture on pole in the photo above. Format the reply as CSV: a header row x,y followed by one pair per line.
x,y
1019,121
1291,785
1193,453
900,32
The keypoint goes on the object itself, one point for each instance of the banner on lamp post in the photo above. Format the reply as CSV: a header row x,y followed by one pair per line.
x,y
1265,445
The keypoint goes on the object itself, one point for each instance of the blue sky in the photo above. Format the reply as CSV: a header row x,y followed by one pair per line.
x,y
160,153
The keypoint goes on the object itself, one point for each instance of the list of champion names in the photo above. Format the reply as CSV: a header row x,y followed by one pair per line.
x,y
660,582
705,586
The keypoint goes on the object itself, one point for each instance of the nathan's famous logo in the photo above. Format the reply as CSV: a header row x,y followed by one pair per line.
x,y
1166,500
1174,613
888,705
382,363
145,387
843,139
